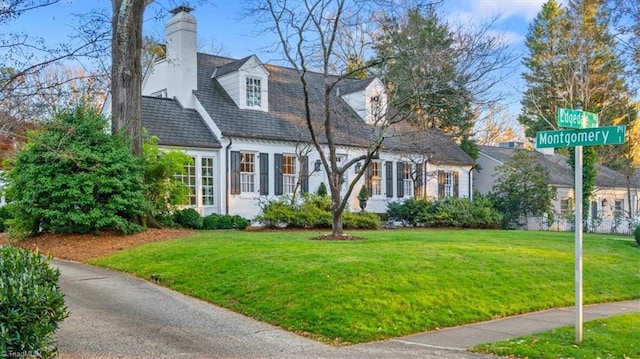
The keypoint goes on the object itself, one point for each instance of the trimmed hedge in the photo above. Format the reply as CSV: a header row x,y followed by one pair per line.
x,y
31,304
448,212
312,211
225,221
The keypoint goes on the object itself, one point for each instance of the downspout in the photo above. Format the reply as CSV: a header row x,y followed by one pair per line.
x,y
228,184
471,183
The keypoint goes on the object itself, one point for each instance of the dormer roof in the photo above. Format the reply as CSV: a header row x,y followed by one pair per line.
x,y
234,66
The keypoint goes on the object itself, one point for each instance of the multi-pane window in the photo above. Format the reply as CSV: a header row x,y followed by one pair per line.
x,y
207,181
619,208
448,184
199,178
253,93
289,173
565,206
189,179
247,172
376,178
407,180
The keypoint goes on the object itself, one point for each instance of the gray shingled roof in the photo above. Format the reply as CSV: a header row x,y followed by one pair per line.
x,y
559,168
285,119
231,67
174,125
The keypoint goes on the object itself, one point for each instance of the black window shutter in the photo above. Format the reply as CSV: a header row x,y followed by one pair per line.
x,y
235,172
455,184
440,184
389,178
368,175
304,173
400,179
277,171
264,174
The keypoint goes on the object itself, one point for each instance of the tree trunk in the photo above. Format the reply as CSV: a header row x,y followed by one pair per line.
x,y
126,71
336,209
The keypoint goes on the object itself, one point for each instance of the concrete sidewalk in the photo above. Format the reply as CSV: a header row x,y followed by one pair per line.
x,y
468,336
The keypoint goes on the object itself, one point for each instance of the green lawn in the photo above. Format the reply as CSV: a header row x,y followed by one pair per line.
x,y
394,283
615,337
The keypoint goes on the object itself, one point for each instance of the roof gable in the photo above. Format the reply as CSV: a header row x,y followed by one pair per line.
x,y
175,125
559,168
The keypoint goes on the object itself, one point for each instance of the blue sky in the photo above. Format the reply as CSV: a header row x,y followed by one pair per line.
x,y
222,27
221,23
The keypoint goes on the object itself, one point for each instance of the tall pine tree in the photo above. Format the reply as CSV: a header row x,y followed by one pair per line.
x,y
573,62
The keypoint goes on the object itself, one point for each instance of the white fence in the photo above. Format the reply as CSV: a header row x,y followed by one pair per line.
x,y
592,225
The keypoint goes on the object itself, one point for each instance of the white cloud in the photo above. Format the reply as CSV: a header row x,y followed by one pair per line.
x,y
478,10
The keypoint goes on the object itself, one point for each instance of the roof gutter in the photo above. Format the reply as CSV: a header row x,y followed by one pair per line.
x,y
228,165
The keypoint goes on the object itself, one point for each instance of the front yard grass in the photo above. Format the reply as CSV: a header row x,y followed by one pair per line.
x,y
615,337
395,283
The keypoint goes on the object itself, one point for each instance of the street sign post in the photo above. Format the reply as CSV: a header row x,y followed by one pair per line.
x,y
606,135
576,118
586,133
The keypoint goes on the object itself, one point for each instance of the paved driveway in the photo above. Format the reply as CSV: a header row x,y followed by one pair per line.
x,y
114,315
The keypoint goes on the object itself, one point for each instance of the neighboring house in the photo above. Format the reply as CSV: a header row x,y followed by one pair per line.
x,y
609,211
243,122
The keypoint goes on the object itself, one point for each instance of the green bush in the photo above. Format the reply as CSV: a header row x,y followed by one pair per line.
x,y
5,217
162,189
322,190
188,218
74,177
217,221
636,234
31,304
312,211
448,212
360,220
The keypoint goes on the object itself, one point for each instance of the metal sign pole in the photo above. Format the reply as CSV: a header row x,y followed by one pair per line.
x,y
578,230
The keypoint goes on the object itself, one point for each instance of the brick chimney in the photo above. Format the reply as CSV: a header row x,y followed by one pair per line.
x,y
181,56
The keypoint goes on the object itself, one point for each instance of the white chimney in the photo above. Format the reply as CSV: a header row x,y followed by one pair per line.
x,y
181,56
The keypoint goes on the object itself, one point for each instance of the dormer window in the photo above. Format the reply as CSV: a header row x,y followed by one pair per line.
x,y
253,92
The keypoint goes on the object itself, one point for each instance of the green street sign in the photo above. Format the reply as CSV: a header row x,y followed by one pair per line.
x,y
606,135
576,118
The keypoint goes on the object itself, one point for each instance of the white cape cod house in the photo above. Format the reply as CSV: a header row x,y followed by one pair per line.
x,y
242,121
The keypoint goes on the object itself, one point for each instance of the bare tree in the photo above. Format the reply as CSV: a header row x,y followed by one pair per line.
x,y
308,32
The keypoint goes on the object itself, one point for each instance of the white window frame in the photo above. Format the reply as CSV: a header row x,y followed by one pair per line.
x,y
253,92
248,172
189,178
565,206
407,179
448,184
289,173
376,179
207,181
200,178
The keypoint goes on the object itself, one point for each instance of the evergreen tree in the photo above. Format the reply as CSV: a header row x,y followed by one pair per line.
x,y
572,61
522,189
423,58
546,69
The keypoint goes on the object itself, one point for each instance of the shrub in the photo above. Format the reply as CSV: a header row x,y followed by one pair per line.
x,y
162,188
32,305
322,190
5,216
360,220
312,211
636,234
276,213
74,177
449,212
188,218
217,221
407,211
